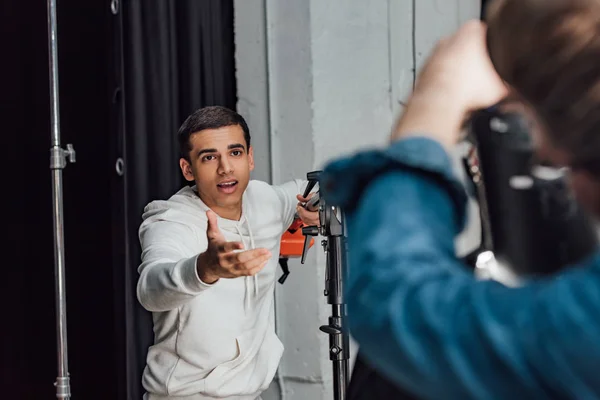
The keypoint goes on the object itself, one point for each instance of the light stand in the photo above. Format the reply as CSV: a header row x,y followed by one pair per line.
x,y
58,161
332,228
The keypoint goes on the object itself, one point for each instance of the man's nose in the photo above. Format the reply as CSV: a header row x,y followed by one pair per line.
x,y
225,166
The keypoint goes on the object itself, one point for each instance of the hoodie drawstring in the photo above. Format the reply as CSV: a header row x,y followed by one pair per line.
x,y
252,246
247,280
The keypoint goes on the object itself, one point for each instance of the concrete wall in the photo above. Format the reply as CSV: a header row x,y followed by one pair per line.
x,y
318,79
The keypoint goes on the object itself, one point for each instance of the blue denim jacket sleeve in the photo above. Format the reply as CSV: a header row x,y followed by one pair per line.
x,y
417,312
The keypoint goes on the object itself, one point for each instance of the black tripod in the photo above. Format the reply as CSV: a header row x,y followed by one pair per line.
x,y
334,244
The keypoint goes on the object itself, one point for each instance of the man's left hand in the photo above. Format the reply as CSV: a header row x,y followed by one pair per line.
x,y
310,218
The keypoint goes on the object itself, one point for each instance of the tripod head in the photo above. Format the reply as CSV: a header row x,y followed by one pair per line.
x,y
330,217
313,204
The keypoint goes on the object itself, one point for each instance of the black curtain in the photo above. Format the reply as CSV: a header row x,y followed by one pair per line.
x,y
127,81
178,56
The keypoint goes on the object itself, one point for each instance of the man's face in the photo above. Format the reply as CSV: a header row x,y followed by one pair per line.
x,y
220,166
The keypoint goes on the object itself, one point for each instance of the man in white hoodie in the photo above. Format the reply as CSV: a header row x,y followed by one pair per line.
x,y
209,260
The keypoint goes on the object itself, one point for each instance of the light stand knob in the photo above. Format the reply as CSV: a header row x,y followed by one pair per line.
x,y
308,232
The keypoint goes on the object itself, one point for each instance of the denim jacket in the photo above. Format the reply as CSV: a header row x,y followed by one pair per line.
x,y
420,316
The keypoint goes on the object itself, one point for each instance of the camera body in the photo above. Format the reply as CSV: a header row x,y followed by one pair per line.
x,y
530,219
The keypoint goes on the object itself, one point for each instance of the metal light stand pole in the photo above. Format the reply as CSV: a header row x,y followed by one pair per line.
x,y
58,161
332,227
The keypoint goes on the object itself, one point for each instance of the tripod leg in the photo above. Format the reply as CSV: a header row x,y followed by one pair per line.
x,y
340,379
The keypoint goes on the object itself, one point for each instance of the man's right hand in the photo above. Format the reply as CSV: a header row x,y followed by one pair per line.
x,y
222,259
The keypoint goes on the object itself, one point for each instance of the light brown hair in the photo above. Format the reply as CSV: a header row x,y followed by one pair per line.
x,y
549,52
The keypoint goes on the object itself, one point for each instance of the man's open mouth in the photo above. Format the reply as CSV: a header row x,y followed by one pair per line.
x,y
227,184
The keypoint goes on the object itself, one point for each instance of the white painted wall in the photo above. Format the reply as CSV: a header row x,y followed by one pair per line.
x,y
318,79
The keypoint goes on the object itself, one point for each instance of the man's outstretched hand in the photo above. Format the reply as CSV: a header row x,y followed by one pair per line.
x,y
223,259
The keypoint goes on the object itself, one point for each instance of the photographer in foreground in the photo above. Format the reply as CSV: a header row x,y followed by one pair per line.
x,y
418,313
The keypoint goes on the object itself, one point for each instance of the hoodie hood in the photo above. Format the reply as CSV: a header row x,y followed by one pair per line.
x,y
187,208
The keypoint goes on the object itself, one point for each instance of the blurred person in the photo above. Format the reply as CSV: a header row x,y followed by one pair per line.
x,y
209,258
419,315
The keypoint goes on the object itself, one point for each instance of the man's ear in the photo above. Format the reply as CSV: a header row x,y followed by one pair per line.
x,y
251,158
186,169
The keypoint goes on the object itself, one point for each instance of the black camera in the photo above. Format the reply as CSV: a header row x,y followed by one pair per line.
x,y
529,217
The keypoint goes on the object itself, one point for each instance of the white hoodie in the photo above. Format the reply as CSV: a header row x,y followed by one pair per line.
x,y
211,341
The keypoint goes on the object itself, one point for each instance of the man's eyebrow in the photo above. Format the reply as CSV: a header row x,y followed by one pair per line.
x,y
204,151
230,147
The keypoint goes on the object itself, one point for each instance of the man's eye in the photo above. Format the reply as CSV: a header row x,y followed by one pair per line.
x,y
208,158
236,153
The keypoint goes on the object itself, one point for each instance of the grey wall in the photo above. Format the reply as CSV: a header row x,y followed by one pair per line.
x,y
318,79
252,79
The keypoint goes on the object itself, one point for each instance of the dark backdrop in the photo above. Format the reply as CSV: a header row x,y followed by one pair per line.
x,y
127,80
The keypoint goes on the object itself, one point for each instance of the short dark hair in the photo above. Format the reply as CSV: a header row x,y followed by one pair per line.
x,y
212,117
549,51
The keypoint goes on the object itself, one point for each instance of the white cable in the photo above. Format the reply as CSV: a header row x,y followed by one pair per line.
x,y
279,374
